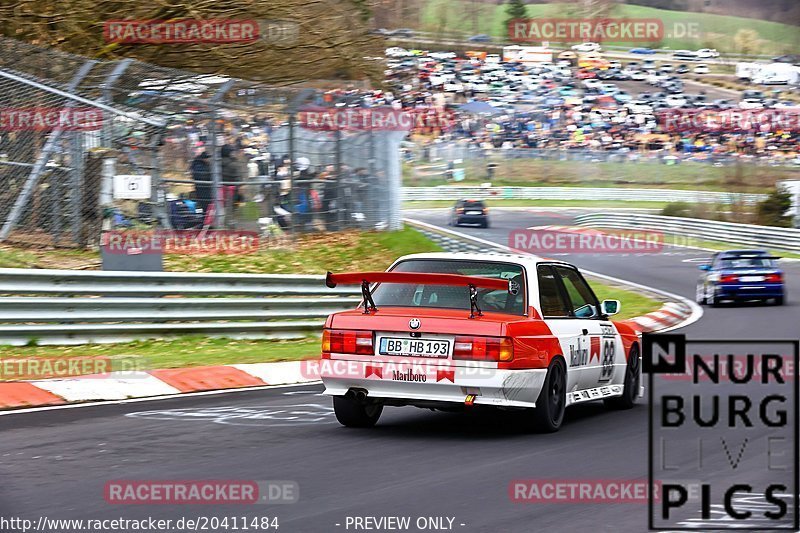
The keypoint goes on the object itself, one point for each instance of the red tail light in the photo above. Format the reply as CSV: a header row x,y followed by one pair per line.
x,y
774,278
729,278
469,348
346,341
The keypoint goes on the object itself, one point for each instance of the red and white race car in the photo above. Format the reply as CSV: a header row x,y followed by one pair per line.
x,y
449,331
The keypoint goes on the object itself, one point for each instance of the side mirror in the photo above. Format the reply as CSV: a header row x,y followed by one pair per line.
x,y
704,267
610,307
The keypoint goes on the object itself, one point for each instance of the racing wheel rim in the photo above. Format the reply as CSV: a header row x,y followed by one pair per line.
x,y
557,387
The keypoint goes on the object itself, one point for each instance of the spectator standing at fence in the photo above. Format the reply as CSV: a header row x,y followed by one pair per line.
x,y
201,176
330,196
231,174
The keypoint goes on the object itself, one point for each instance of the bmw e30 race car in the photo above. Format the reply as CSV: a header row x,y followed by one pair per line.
x,y
449,331
741,275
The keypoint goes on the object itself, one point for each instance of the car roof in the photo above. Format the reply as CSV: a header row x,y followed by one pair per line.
x,y
526,260
742,252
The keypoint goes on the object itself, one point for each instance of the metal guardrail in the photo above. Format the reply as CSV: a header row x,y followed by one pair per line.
x,y
454,192
77,307
745,234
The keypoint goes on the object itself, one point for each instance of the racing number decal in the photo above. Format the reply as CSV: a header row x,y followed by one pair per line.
x,y
609,352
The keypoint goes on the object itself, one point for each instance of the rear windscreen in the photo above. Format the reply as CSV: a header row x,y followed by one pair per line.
x,y
446,297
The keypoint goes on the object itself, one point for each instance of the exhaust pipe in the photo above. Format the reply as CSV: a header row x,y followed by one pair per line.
x,y
359,395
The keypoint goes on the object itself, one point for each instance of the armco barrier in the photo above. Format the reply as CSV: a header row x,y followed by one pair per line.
x,y
76,307
749,235
454,192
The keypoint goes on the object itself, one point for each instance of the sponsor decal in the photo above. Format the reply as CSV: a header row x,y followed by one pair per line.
x,y
409,375
597,393
50,118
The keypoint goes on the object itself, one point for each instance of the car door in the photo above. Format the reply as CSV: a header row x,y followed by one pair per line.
x,y
563,325
705,275
599,351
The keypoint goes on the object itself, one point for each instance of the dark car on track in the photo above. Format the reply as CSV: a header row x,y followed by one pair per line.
x,y
469,212
480,38
741,275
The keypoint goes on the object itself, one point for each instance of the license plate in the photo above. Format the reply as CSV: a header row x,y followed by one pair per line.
x,y
474,212
751,279
414,347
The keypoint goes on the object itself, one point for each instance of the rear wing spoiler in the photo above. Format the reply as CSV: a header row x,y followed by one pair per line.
x,y
421,278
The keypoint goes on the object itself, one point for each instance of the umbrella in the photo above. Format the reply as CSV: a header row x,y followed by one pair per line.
x,y
479,108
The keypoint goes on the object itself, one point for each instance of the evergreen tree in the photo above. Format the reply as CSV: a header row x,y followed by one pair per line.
x,y
515,10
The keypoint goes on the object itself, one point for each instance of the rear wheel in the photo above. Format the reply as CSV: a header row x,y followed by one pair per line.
x,y
630,389
779,300
354,414
714,300
700,294
549,412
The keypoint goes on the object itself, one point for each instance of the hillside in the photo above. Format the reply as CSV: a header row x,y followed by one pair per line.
x,y
716,31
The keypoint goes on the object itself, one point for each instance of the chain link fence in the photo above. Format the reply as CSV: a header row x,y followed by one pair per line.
x,y
89,145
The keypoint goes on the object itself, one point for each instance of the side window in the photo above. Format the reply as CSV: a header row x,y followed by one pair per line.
x,y
582,301
550,297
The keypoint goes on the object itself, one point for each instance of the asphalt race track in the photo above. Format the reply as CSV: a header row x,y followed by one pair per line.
x,y
414,463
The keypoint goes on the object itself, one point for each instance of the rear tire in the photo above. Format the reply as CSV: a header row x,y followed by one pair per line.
x,y
714,300
353,414
630,390
779,300
549,412
700,295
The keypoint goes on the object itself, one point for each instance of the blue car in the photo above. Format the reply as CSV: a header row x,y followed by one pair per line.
x,y
645,51
741,275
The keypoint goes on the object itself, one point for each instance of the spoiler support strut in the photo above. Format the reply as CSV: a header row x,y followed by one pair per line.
x,y
474,310
367,296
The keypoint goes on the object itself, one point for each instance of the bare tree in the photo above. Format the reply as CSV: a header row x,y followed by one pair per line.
x,y
331,39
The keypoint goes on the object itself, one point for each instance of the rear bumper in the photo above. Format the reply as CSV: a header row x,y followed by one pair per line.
x,y
471,219
427,383
750,291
